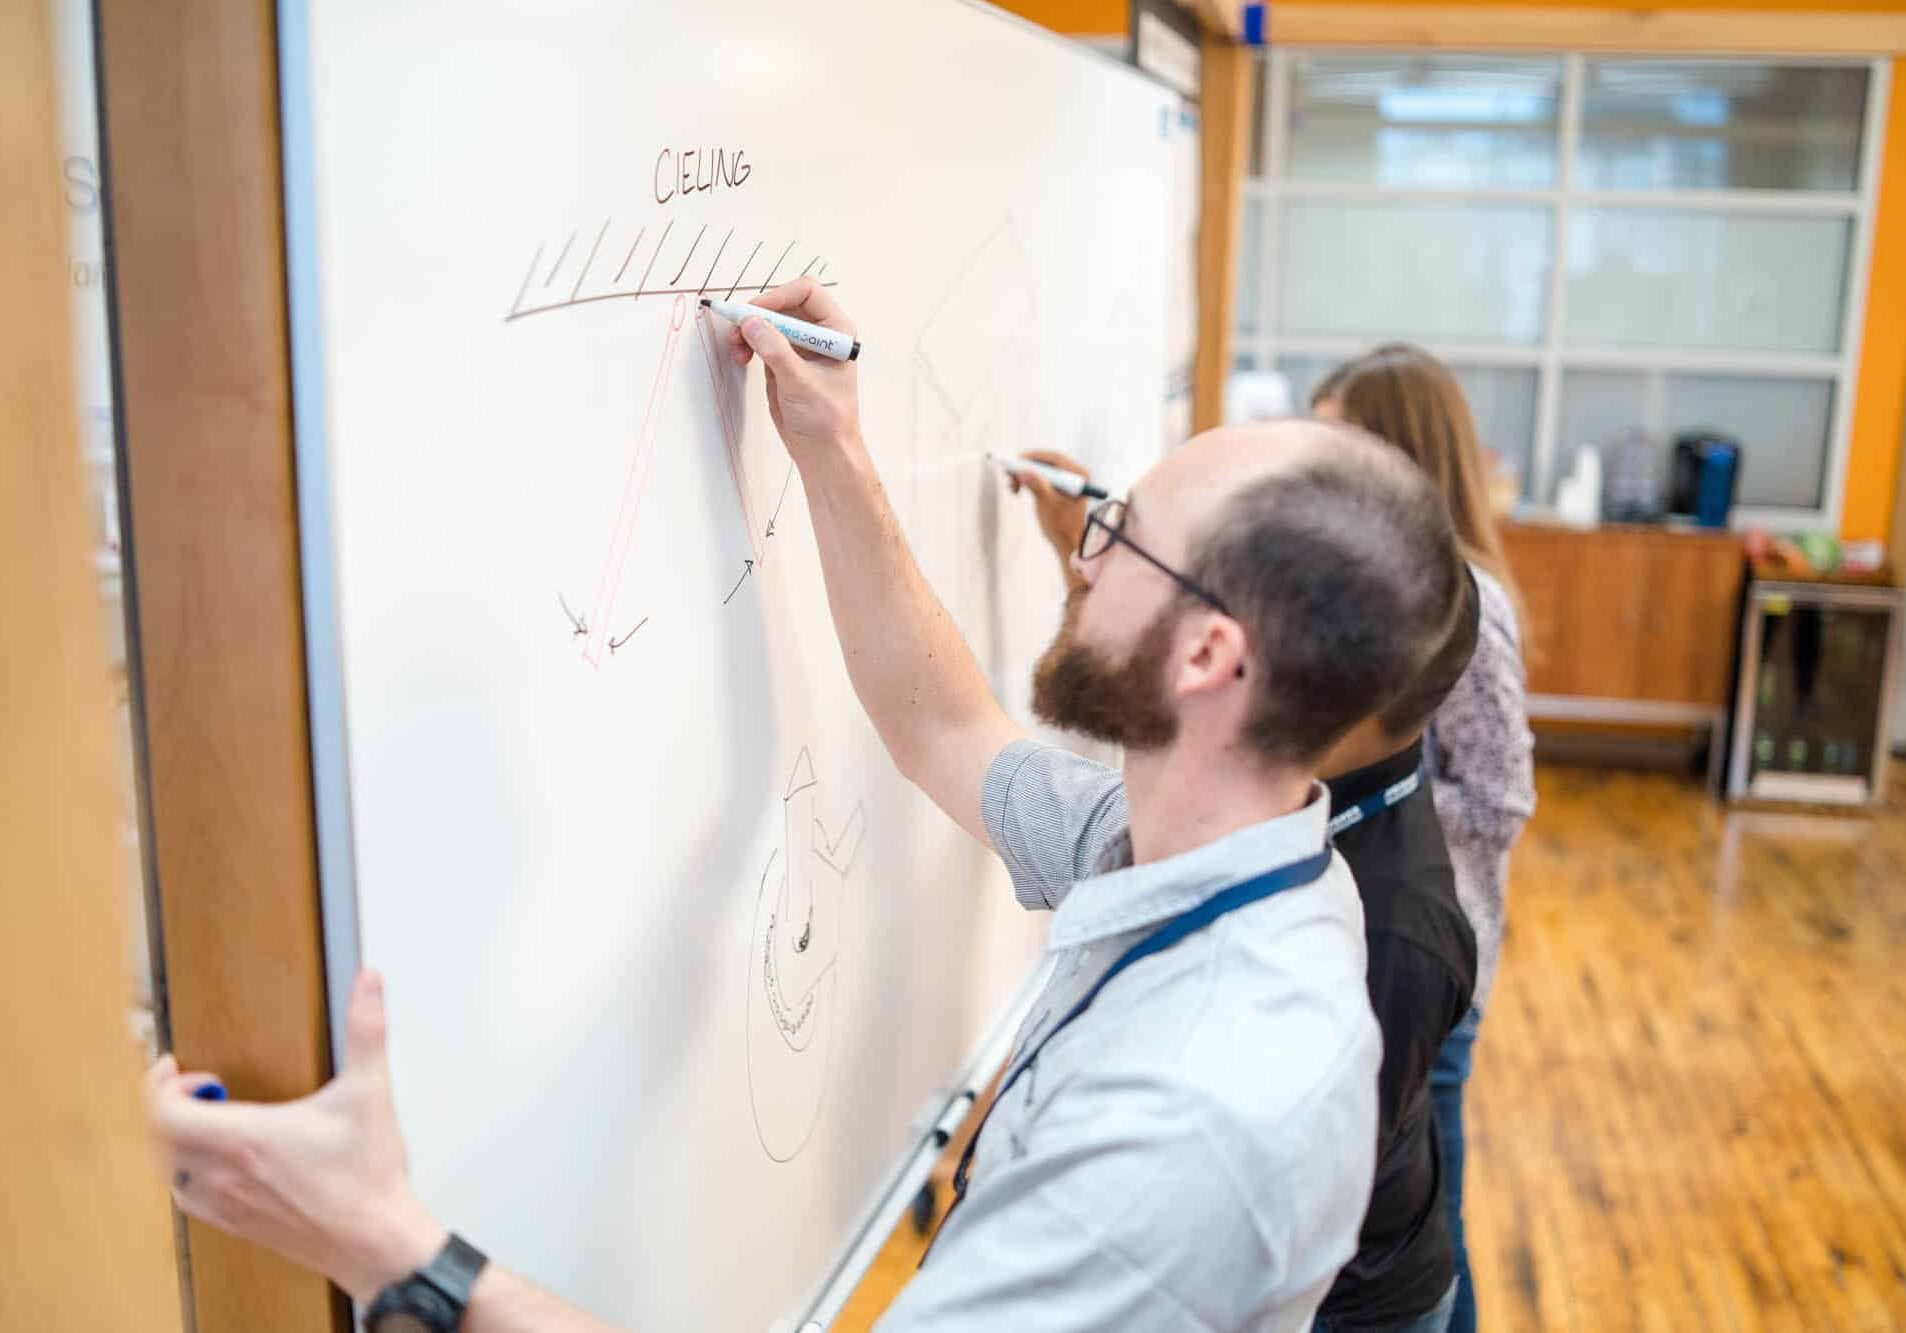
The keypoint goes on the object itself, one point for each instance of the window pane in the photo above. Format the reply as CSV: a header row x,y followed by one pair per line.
x,y
1455,122
1434,272
1304,374
1599,406
1426,121
1714,125
1258,395
1250,267
1707,281
1501,398
1781,423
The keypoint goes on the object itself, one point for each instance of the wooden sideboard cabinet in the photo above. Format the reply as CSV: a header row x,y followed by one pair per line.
x,y
1629,625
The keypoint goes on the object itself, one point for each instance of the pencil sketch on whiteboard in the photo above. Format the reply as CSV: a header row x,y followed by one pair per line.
x,y
569,277
975,387
793,956
594,281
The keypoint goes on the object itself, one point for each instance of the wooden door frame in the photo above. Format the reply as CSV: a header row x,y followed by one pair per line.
x,y
189,128
1230,72
84,1221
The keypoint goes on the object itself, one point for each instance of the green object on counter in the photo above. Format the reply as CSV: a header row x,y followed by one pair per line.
x,y
1822,550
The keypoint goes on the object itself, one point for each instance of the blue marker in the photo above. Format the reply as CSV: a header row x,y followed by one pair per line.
x,y
211,1092
814,337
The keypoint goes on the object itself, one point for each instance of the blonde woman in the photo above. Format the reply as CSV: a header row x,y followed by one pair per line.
x,y
1479,750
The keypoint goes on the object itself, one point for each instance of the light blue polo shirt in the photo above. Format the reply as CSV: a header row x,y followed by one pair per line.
x,y
1195,1151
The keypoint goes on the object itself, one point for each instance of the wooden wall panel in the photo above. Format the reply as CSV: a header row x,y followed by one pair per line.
x,y
190,129
84,1223
1224,129
1628,612
1691,620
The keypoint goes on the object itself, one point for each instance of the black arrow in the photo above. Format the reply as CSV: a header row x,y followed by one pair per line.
x,y
617,643
576,622
747,569
776,516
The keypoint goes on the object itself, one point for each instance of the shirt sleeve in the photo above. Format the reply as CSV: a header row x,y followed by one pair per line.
x,y
1129,1213
1052,816
1484,754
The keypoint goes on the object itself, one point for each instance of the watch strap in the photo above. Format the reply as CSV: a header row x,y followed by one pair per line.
x,y
454,1271
435,1295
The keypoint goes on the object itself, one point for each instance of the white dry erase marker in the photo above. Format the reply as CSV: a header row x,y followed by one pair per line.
x,y
828,342
1066,483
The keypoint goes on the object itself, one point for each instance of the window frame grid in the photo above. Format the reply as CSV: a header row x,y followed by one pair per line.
x,y
1548,356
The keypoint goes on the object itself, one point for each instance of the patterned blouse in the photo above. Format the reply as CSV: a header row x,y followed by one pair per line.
x,y
1481,760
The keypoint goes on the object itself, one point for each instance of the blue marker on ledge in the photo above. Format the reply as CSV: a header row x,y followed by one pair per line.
x,y
211,1092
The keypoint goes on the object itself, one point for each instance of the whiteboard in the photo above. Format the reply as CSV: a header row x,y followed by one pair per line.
x,y
678,967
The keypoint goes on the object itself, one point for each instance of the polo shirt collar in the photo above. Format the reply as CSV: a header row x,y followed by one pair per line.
x,y
1124,897
1354,786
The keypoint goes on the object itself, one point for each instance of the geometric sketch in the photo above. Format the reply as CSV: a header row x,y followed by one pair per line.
x,y
975,390
576,278
677,275
737,459
792,952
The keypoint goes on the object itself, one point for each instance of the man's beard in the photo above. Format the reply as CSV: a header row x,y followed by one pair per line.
x,y
1079,688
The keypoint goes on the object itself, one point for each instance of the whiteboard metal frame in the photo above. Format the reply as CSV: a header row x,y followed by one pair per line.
x,y
317,543
934,1129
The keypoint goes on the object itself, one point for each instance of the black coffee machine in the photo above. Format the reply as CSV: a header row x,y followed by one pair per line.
x,y
1704,477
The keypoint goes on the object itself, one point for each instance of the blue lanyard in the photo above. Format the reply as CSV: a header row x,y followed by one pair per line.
x,y
1394,794
1292,876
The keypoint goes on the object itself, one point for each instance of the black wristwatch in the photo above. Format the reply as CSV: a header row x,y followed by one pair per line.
x,y
430,1300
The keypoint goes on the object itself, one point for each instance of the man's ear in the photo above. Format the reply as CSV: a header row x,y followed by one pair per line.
x,y
1215,655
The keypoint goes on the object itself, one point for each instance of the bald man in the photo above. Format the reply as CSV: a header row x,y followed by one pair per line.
x,y
1186,1134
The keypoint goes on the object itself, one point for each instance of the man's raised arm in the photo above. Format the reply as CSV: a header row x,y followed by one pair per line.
x,y
914,673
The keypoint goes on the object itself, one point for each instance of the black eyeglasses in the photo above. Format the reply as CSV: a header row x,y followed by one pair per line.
x,y
1105,524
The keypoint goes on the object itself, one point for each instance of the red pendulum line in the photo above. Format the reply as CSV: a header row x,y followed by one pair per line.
x,y
632,489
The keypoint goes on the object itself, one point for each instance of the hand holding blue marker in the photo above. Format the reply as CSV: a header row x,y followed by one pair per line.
x,y
808,337
1062,481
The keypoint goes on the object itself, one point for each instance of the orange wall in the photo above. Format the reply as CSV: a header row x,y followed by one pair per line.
x,y
1838,6
1076,18
1093,18
1097,18
1879,406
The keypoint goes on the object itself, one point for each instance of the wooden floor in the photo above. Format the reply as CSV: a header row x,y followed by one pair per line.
x,y
1689,1103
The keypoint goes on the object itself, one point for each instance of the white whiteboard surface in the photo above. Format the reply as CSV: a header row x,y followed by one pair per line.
x,y
578,706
